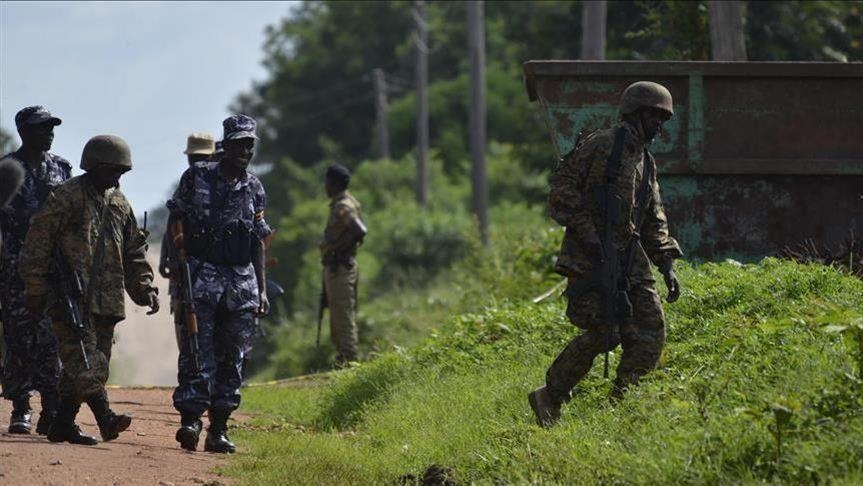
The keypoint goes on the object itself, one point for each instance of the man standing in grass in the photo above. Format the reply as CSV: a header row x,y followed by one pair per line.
x,y
606,193
343,235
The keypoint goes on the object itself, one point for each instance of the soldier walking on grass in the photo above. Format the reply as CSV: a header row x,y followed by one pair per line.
x,y
220,208
606,193
86,232
343,235
31,361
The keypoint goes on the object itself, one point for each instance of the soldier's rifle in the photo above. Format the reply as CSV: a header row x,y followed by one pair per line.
x,y
69,288
615,303
323,303
188,297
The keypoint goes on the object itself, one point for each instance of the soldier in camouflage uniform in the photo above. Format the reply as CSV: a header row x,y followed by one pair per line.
x,y
221,207
31,361
343,235
641,236
200,147
90,225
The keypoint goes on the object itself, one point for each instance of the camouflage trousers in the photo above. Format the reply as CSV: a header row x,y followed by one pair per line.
x,y
77,383
642,338
224,338
340,283
30,360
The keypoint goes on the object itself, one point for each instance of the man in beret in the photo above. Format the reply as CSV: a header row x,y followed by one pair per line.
x,y
31,361
343,234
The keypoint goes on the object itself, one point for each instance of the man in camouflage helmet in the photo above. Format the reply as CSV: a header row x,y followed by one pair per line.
x,y
343,234
221,208
31,361
200,147
87,226
616,163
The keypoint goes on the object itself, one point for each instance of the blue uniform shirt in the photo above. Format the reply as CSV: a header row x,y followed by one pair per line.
x,y
212,206
15,217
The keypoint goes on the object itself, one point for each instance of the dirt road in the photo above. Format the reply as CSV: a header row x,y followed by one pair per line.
x,y
145,353
144,454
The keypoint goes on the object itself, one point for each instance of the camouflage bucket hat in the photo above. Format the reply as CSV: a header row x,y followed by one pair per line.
x,y
646,93
200,143
106,150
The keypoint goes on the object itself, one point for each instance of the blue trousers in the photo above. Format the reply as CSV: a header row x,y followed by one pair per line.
x,y
224,337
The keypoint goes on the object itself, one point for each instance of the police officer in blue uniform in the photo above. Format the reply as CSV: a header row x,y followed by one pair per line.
x,y
221,207
31,361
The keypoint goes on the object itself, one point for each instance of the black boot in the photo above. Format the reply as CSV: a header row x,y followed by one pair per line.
x,y
217,434
50,402
20,422
110,424
64,429
189,432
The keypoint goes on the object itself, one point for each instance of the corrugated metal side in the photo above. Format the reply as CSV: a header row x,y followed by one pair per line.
x,y
758,155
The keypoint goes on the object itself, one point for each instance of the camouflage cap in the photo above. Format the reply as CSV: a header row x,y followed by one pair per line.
x,y
106,150
239,126
34,115
200,143
646,93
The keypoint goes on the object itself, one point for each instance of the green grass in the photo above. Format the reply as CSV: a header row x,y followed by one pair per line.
x,y
760,382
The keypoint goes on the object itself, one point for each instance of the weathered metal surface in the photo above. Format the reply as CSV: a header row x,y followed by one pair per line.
x,y
758,155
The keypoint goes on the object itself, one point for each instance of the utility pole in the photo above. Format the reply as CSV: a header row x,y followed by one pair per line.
x,y
593,20
381,109
727,37
422,74
476,118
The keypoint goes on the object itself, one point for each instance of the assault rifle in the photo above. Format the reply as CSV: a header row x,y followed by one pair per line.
x,y
614,284
323,303
187,296
69,288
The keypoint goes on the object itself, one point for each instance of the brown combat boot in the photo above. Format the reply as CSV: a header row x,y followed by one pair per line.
x,y
546,408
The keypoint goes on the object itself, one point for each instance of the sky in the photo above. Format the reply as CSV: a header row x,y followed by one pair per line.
x,y
150,72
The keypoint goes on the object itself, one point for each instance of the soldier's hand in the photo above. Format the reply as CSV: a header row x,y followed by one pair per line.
x,y
673,286
264,308
165,271
154,303
35,304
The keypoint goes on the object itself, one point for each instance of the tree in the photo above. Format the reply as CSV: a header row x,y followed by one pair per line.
x,y
727,36
7,142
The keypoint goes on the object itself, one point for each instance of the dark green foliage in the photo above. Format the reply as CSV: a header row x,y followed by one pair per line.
x,y
805,31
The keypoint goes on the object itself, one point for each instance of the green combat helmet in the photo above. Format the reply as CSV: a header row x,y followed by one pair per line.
x,y
106,150
645,93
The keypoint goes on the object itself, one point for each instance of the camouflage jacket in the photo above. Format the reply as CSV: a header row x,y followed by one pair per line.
x,y
574,201
339,242
71,218
15,217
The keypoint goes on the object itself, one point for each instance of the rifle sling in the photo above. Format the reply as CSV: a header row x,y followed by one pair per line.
x,y
592,281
